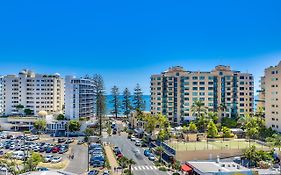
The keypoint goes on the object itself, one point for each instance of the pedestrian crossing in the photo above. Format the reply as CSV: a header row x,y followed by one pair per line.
x,y
143,167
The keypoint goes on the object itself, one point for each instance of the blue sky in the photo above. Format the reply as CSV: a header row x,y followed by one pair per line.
x,y
126,41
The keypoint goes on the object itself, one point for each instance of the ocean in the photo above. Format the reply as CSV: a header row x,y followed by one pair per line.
x,y
109,106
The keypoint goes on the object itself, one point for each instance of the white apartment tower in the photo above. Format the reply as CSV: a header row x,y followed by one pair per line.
x,y
79,97
174,91
272,92
1,96
37,92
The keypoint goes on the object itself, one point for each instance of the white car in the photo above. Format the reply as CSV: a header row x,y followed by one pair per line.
x,y
20,156
133,138
138,143
48,158
56,159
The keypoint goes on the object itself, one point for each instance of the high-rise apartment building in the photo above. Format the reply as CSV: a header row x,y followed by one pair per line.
x,y
272,92
79,97
174,91
36,92
1,96
260,102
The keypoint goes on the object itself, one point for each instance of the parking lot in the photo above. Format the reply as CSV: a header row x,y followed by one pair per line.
x,y
56,152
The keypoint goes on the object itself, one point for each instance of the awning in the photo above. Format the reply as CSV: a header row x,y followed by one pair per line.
x,y
186,168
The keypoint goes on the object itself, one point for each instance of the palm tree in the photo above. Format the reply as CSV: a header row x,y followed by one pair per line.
x,y
160,150
221,109
198,108
275,140
213,116
130,162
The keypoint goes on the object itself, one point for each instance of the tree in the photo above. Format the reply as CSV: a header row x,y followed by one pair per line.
x,y
221,109
61,117
192,127
73,125
19,107
138,101
150,123
212,129
159,150
100,106
213,116
28,111
115,101
10,163
88,132
130,162
226,132
275,140
33,161
198,108
229,122
40,125
126,102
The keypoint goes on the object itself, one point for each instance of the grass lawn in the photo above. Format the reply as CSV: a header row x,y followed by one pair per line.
x,y
59,165
234,144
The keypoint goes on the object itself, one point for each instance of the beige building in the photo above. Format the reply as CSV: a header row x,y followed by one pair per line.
x,y
260,102
36,92
272,86
174,91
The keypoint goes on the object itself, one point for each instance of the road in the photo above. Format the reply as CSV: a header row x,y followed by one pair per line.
x,y
143,166
79,164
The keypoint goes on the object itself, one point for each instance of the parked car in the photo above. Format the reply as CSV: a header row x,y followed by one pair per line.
x,y
93,172
49,149
48,158
56,159
61,140
147,152
106,172
98,163
71,140
42,169
63,150
138,143
80,142
133,138
55,149
151,157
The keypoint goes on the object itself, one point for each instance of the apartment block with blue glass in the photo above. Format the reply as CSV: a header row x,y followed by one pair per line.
x,y
174,91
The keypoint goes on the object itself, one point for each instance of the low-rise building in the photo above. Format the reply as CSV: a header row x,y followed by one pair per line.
x,y
216,168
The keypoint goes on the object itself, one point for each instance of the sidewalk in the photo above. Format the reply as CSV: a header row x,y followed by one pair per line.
x,y
111,158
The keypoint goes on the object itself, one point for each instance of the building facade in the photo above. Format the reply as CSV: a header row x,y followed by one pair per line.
x,y
174,91
1,96
260,102
35,92
272,89
79,97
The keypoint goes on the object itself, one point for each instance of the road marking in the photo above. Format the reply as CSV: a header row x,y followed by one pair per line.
x,y
154,167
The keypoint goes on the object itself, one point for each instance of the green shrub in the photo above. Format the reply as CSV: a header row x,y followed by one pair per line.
x,y
157,164
162,168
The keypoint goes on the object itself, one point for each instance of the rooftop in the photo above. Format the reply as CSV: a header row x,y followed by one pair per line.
x,y
211,166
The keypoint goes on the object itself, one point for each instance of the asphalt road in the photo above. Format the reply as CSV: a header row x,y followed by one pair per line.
x,y
79,164
143,166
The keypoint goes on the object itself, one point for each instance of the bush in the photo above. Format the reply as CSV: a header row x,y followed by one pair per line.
x,y
157,164
162,168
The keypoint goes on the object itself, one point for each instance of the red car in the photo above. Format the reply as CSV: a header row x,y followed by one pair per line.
x,y
119,156
55,149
